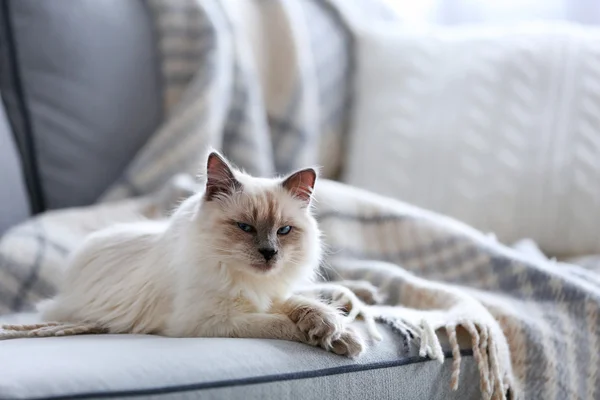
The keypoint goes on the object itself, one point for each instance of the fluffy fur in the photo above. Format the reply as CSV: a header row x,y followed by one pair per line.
x,y
222,265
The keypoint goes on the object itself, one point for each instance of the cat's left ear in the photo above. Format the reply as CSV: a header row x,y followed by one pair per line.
x,y
301,184
220,179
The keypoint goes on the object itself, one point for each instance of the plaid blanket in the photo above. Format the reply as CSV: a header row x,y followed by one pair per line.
x,y
268,83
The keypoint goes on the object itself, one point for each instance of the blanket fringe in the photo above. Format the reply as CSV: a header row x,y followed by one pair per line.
x,y
493,385
48,329
451,332
479,345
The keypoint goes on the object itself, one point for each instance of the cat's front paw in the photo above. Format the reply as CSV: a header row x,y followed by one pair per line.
x,y
321,325
350,343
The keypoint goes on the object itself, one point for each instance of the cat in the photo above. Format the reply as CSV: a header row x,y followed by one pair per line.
x,y
229,262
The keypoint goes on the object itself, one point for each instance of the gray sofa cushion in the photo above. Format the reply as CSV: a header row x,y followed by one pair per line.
x,y
82,91
129,366
14,205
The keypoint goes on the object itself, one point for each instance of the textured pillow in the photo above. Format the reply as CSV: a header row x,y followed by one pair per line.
x,y
498,127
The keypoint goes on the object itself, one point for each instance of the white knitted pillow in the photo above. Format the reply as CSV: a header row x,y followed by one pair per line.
x,y
498,127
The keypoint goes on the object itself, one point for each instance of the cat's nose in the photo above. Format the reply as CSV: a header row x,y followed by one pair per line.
x,y
267,253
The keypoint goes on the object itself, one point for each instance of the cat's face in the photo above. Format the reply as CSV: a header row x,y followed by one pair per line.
x,y
261,226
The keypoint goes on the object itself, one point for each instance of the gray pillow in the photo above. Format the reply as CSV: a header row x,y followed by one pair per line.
x,y
82,90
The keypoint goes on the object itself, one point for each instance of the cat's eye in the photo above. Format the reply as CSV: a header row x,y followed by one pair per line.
x,y
284,230
245,227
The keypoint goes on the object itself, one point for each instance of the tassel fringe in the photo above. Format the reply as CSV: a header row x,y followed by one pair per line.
x,y
48,329
493,385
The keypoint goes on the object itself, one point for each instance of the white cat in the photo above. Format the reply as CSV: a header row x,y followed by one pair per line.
x,y
227,263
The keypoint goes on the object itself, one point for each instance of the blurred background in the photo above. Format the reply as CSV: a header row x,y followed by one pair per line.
x,y
454,12
486,111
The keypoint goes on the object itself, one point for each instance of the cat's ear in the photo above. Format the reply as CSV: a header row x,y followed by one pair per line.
x,y
220,179
301,184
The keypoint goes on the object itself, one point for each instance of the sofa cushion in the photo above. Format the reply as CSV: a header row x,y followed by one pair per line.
x,y
125,366
82,92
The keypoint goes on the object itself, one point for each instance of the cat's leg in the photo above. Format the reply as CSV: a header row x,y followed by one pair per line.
x,y
279,326
323,325
241,325
311,324
265,326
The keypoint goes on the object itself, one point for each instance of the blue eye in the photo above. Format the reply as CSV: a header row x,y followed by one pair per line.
x,y
245,227
284,230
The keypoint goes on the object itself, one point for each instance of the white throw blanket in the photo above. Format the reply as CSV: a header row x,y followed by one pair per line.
x,y
272,91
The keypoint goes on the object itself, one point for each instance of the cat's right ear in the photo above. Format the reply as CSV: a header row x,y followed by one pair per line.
x,y
220,179
301,184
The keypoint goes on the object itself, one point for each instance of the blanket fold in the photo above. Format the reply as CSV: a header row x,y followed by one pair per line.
x,y
270,84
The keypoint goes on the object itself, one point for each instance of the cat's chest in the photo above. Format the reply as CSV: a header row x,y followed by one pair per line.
x,y
242,302
245,304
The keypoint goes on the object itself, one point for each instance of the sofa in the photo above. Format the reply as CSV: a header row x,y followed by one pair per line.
x,y
493,126
80,95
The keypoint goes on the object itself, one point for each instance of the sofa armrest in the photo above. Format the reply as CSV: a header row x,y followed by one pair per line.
x,y
14,202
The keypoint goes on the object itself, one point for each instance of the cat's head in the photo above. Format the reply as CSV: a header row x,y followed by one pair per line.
x,y
260,225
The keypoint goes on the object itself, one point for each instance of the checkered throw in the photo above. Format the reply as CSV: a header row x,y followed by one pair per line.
x,y
267,82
